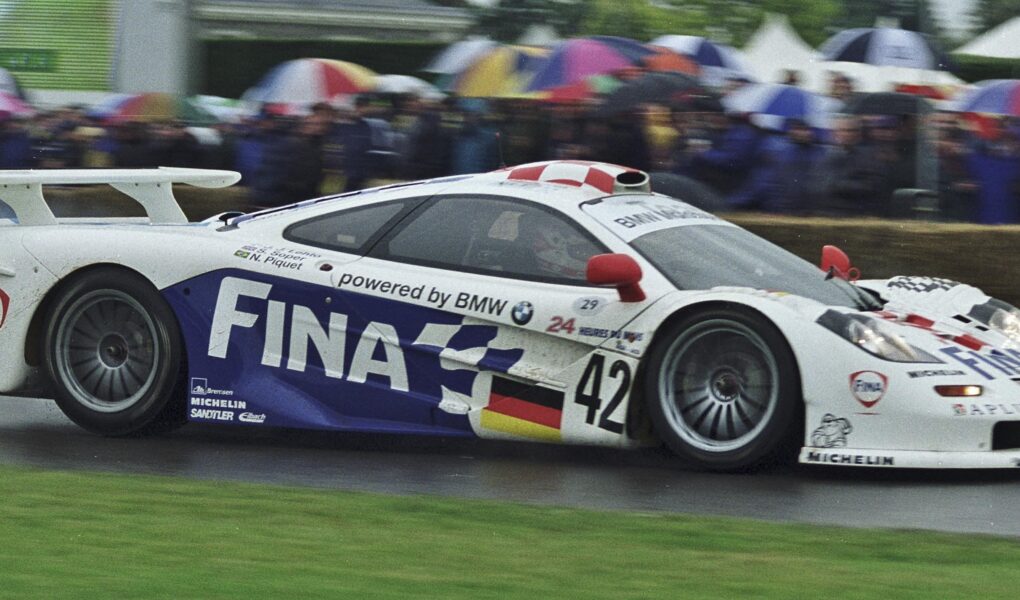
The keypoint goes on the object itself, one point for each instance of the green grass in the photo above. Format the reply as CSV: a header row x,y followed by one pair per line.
x,y
109,536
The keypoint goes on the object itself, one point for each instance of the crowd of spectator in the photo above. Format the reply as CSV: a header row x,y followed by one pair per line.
x,y
853,167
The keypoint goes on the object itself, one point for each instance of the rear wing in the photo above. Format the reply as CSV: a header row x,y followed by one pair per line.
x,y
152,188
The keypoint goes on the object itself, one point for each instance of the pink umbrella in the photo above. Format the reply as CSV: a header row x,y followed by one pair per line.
x,y
12,105
575,60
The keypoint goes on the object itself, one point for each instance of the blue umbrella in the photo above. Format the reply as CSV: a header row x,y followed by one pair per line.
x,y
996,96
885,47
718,61
777,103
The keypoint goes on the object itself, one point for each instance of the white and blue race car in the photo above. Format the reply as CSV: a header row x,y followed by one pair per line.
x,y
559,302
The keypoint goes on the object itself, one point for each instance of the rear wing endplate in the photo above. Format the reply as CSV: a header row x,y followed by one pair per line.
x,y
152,188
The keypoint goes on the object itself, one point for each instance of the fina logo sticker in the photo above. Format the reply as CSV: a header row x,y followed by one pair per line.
x,y
5,302
868,387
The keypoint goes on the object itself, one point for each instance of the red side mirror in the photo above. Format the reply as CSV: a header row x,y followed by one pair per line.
x,y
620,271
836,261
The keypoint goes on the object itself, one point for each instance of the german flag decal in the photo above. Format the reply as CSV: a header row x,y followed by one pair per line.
x,y
524,410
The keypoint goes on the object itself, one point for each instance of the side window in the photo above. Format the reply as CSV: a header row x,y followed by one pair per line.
x,y
346,230
496,237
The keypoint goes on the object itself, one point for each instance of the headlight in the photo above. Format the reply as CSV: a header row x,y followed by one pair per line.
x,y
999,316
1006,322
874,337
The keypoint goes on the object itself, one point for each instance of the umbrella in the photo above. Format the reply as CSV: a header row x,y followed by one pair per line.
x,y
780,102
575,60
665,59
658,88
405,84
885,47
13,105
154,106
227,110
995,96
580,91
459,55
704,51
502,71
10,85
311,80
718,61
888,103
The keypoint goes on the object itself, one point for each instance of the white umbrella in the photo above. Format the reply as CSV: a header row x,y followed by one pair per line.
x,y
459,55
884,47
405,84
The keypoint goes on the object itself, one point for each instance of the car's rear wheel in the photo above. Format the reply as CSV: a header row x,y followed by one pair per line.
x,y
723,389
113,353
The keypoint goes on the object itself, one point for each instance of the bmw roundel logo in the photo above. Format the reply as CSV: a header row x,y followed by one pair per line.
x,y
521,313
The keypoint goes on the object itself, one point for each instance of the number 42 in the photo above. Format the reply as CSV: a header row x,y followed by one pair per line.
x,y
589,392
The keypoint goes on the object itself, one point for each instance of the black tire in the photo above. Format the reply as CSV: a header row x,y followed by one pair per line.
x,y
114,354
723,390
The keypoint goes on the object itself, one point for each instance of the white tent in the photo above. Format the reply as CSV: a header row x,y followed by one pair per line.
x,y
776,48
999,42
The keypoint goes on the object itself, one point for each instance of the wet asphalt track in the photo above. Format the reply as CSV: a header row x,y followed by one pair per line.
x,y
35,433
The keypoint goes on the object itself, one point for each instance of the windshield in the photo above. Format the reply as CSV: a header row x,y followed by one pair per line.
x,y
698,251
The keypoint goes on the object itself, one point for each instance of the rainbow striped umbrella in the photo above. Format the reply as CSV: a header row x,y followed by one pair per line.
x,y
154,106
311,80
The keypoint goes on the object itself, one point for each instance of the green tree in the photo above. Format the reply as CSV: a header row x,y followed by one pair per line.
x,y
636,19
915,15
733,21
509,19
989,13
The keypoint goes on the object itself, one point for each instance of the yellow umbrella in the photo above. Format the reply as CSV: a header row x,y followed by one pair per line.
x,y
499,73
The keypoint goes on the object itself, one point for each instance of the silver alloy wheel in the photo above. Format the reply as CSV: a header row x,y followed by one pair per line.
x,y
719,385
107,352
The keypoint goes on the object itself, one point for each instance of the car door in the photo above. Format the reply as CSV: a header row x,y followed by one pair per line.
x,y
494,305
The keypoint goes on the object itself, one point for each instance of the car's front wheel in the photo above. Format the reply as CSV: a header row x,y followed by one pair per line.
x,y
113,352
723,389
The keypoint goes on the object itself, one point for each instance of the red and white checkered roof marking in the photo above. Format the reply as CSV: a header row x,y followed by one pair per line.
x,y
575,173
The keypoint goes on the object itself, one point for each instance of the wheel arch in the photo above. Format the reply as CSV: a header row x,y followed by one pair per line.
x,y
637,411
34,342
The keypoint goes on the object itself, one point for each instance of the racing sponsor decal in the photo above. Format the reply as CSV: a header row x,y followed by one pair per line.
x,y
992,364
211,414
868,387
522,313
525,410
615,334
589,305
836,458
200,387
249,417
832,432
355,362
281,258
986,410
633,217
935,373
920,284
5,304
434,296
219,403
